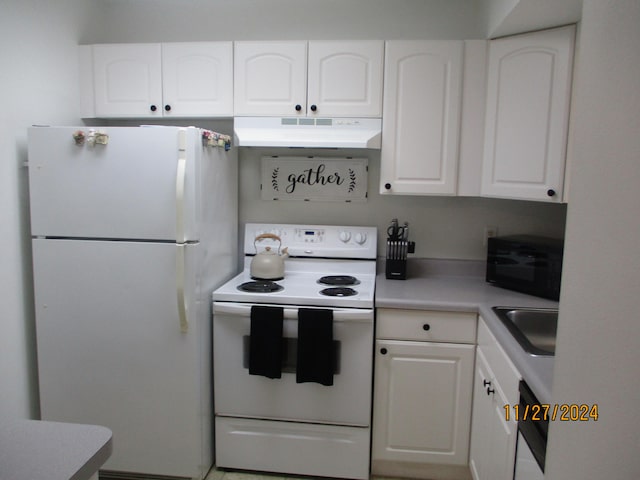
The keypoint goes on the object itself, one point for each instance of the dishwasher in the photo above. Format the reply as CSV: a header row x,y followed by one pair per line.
x,y
532,439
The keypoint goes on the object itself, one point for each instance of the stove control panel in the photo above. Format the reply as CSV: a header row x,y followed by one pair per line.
x,y
309,235
327,241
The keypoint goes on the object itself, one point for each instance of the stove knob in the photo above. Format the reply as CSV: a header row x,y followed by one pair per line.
x,y
361,238
345,236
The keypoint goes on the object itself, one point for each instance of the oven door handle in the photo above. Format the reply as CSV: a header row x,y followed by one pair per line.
x,y
339,315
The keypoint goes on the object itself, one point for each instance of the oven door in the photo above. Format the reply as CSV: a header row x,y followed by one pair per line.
x,y
239,394
532,439
527,467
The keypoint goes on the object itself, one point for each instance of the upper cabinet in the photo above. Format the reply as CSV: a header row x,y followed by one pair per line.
x,y
345,78
329,79
421,123
197,79
127,80
157,80
527,115
270,78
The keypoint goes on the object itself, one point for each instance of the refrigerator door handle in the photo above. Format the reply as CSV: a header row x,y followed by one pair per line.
x,y
181,175
180,281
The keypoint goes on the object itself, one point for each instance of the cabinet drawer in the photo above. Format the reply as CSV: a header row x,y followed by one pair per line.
x,y
504,372
426,325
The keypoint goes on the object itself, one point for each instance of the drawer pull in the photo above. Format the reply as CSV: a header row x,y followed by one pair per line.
x,y
426,327
490,391
486,383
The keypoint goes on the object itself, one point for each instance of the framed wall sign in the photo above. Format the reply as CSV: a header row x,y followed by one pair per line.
x,y
325,179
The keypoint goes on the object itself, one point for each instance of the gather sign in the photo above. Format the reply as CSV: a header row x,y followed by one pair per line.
x,y
342,179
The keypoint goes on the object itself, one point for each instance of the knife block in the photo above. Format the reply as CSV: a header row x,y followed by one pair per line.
x,y
396,269
396,261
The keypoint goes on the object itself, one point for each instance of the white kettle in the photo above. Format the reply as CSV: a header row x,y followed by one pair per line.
x,y
268,265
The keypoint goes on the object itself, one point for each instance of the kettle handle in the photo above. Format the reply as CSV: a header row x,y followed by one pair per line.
x,y
267,235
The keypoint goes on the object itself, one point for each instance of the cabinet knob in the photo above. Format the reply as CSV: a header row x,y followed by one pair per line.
x,y
387,186
551,192
426,327
383,351
314,108
490,391
485,383
167,108
153,108
298,107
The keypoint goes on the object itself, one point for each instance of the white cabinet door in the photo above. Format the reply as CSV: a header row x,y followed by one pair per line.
x,y
197,79
422,402
270,78
127,80
528,99
480,420
345,78
157,80
421,122
340,79
502,443
493,437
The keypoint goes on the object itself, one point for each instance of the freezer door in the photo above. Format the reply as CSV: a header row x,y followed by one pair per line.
x,y
141,184
111,351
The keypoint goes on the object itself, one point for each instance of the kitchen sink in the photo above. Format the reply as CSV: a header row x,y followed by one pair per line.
x,y
533,328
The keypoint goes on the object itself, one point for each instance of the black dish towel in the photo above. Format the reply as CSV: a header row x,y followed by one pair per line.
x,y
265,342
315,360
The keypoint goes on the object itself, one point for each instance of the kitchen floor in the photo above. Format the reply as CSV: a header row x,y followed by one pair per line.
x,y
216,474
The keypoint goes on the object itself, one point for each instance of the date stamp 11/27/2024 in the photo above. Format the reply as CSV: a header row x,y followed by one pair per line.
x,y
566,412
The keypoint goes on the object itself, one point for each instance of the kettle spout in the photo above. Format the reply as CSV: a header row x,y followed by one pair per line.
x,y
285,252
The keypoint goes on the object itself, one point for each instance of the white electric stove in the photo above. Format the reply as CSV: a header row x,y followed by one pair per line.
x,y
285,424
329,266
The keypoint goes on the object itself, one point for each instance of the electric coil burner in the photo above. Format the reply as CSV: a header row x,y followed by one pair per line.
x,y
339,280
262,286
292,361
338,292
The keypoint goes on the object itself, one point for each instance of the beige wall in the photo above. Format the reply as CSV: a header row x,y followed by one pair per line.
x,y
443,227
193,20
38,41
598,355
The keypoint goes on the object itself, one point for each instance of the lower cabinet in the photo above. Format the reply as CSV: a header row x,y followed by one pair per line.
x,y
493,437
423,393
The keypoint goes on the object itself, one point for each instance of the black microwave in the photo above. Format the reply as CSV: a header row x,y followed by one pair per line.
x,y
526,263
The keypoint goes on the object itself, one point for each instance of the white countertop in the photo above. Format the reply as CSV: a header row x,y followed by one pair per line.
x,y
39,450
459,286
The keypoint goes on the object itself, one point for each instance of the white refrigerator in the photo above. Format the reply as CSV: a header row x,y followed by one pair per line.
x,y
132,229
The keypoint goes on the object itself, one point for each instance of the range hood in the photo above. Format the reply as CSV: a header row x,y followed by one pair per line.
x,y
306,132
